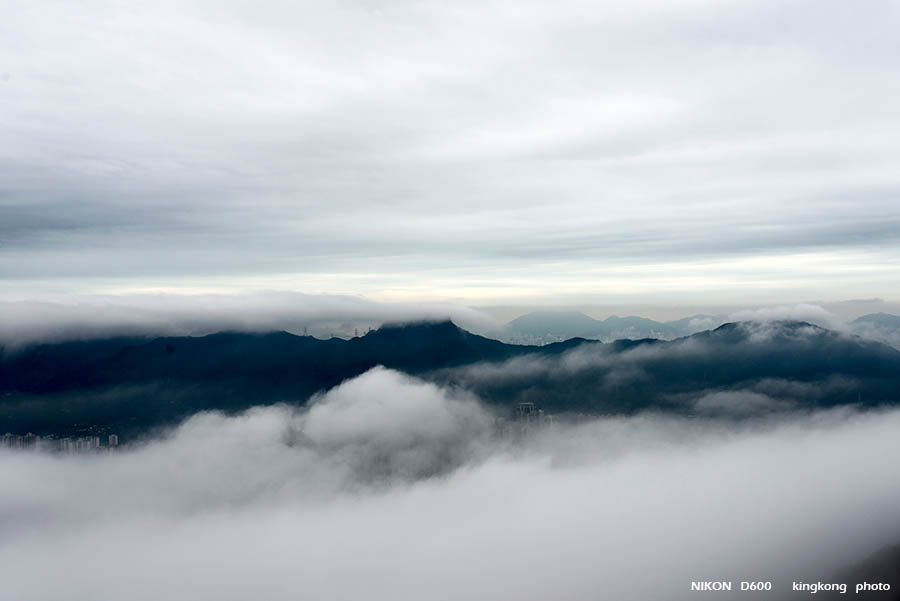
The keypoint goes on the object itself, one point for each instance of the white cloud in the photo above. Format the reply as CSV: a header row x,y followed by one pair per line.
x,y
738,403
385,423
71,317
626,508
810,313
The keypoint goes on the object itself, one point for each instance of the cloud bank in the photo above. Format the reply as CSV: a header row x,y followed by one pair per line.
x,y
391,488
77,317
58,318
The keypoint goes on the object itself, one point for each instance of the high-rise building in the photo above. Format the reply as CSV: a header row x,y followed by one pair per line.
x,y
529,417
526,411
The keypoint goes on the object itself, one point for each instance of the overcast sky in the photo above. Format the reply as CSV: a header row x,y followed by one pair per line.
x,y
483,152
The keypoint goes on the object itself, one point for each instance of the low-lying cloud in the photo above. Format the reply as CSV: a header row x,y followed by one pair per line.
x,y
96,316
874,326
768,365
738,402
384,424
810,313
388,487
61,318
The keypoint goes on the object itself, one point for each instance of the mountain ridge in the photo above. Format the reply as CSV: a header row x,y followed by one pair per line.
x,y
149,383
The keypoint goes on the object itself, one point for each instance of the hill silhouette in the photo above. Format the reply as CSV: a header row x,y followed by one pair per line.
x,y
131,385
805,366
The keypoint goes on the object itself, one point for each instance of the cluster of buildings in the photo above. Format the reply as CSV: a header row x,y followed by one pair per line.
x,y
527,419
81,444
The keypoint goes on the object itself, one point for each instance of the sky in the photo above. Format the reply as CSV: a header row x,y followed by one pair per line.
x,y
482,153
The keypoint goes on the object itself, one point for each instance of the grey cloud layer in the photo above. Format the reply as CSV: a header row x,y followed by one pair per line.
x,y
92,316
73,317
279,504
179,141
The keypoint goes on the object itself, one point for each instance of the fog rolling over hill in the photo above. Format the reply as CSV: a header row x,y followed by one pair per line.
x,y
738,368
554,325
878,326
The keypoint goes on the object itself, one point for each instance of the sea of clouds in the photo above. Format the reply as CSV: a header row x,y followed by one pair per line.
x,y
388,487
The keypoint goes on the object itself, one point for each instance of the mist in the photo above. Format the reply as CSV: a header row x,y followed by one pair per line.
x,y
80,317
47,319
389,487
740,369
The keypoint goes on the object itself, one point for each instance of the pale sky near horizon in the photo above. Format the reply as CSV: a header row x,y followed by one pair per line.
x,y
487,153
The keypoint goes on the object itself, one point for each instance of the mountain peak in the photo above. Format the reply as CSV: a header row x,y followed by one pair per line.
x,y
431,327
759,331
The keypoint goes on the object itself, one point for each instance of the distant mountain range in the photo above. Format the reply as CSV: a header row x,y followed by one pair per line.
x,y
132,385
878,326
542,327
